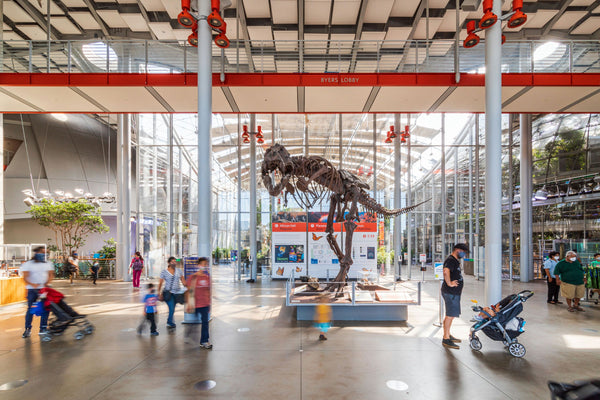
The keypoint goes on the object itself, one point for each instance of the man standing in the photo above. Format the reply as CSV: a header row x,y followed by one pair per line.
x,y
451,291
571,278
37,273
553,287
72,266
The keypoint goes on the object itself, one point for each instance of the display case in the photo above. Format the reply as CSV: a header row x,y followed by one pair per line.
x,y
358,300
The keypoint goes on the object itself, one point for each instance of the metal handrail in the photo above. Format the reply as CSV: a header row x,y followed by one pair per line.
x,y
294,56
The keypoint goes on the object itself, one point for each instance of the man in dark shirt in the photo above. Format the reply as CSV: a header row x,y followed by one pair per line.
x,y
451,291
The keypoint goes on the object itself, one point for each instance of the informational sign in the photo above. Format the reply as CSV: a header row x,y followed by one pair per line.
x,y
422,258
190,266
288,243
438,271
321,257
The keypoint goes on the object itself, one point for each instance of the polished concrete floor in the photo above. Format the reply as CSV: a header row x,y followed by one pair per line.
x,y
261,352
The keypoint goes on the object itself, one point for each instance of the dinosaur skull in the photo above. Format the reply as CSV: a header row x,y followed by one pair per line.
x,y
277,161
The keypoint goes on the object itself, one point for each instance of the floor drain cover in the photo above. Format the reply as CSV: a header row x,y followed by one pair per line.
x,y
13,385
243,329
397,385
205,385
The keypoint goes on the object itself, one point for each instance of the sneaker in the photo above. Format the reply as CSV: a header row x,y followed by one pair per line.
x,y
27,333
206,345
579,308
559,302
450,344
322,337
455,340
153,333
171,326
43,331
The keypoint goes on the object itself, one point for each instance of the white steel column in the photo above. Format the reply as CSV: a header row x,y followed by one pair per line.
x,y
252,228
123,196
397,262
204,130
493,160
239,202
443,191
409,202
526,207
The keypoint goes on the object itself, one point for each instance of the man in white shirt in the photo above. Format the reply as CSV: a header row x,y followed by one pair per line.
x,y
37,273
553,286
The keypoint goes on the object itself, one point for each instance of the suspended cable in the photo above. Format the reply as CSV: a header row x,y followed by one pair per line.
x,y
27,154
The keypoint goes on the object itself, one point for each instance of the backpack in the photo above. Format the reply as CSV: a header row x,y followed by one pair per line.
x,y
137,264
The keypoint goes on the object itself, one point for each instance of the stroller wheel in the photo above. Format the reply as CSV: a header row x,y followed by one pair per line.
x,y
89,329
78,335
516,350
475,344
46,338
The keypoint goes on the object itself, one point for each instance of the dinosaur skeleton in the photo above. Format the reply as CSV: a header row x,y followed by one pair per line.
x,y
309,180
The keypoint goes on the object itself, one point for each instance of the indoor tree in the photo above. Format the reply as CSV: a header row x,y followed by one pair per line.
x,y
71,222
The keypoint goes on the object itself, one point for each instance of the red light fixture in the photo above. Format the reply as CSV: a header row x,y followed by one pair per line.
x,y
259,140
472,39
222,41
246,140
193,39
185,18
519,17
402,140
214,19
406,129
503,38
489,18
391,133
388,140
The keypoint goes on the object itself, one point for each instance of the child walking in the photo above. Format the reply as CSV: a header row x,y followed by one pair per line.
x,y
323,316
150,310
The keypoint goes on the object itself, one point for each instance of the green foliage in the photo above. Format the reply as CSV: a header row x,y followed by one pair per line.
x,y
109,250
71,222
382,256
567,151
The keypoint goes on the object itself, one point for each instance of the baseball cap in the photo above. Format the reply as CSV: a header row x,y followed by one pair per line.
x,y
462,246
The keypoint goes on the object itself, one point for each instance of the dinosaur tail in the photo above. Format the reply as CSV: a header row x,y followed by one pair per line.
x,y
371,205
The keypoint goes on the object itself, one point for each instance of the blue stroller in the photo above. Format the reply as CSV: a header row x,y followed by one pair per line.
x,y
504,326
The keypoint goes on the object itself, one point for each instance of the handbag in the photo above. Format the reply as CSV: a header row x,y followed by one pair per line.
x,y
179,297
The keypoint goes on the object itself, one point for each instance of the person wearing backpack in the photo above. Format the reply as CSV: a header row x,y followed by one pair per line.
x,y
137,266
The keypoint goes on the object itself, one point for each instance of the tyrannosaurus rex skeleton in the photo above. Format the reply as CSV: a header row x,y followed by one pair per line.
x,y
309,180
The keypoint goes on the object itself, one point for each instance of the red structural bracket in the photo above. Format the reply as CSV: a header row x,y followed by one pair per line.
x,y
295,79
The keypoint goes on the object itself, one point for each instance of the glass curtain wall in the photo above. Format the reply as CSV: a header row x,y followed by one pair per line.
x,y
566,168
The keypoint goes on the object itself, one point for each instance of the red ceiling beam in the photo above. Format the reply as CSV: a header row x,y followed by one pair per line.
x,y
294,79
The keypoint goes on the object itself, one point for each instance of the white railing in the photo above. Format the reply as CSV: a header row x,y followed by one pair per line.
x,y
417,56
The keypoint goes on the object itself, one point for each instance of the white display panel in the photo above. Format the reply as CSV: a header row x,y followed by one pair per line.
x,y
288,249
321,257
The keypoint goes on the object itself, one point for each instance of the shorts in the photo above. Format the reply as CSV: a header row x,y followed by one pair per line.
x,y
569,291
452,302
323,326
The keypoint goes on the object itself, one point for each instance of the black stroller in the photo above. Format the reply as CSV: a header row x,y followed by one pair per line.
x,y
504,325
64,316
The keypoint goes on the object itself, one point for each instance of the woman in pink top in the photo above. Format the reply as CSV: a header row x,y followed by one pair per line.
x,y
199,298
137,266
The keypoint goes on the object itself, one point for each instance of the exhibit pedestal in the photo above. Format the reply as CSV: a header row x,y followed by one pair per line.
x,y
384,312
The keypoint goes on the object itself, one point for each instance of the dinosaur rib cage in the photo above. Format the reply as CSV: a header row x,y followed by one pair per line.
x,y
314,178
